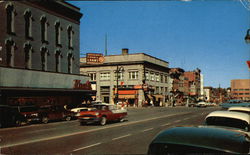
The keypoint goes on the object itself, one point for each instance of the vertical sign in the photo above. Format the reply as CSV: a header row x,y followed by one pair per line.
x,y
1,48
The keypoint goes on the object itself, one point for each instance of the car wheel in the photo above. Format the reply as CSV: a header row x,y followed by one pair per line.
x,y
18,123
45,120
103,121
68,118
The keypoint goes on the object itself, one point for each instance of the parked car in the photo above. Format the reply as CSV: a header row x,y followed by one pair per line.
x,y
199,140
81,106
231,119
201,104
240,109
102,113
50,113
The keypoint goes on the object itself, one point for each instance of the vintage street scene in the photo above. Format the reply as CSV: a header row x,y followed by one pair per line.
x,y
124,77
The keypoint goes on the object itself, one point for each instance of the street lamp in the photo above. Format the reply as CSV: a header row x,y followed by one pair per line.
x,y
247,37
119,69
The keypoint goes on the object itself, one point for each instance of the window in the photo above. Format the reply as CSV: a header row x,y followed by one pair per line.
x,y
147,76
161,78
120,76
58,56
44,29
133,75
152,76
166,79
28,24
44,54
10,18
92,76
27,53
70,60
157,77
10,49
58,33
105,76
70,37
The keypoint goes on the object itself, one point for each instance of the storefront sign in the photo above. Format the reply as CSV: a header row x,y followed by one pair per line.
x,y
94,58
84,86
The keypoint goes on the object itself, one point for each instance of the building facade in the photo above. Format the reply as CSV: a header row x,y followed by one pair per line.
x,y
240,89
39,53
140,78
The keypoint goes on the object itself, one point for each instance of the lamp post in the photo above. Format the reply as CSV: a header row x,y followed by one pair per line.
x,y
119,69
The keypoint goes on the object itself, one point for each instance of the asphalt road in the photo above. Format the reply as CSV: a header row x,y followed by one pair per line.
x,y
130,137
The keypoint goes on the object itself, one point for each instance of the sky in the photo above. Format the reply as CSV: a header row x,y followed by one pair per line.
x,y
208,35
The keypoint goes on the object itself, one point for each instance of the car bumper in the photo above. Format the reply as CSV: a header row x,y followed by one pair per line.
x,y
89,119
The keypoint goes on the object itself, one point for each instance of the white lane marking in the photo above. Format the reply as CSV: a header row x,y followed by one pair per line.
x,y
165,124
121,137
147,129
87,131
86,147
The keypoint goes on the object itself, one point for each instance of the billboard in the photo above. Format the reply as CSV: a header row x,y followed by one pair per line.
x,y
94,58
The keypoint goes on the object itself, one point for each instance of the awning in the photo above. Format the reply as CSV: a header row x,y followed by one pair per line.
x,y
127,96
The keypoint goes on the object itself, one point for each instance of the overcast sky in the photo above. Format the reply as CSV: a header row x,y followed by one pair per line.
x,y
199,34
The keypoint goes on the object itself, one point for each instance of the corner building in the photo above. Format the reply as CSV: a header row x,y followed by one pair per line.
x,y
39,54
140,79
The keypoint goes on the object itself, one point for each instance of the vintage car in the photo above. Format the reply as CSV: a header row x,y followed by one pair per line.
x,y
232,119
240,109
201,104
102,113
200,140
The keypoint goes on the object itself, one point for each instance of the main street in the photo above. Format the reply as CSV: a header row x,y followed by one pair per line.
x,y
130,137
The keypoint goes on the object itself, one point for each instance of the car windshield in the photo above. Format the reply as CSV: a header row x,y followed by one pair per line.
x,y
228,122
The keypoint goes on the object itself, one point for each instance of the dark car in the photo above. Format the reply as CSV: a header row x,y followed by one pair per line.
x,y
50,113
199,140
9,116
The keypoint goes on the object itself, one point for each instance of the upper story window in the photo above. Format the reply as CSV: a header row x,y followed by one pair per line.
x,y
105,76
10,18
44,55
120,76
133,75
161,78
10,50
157,77
28,24
147,76
70,37
166,79
44,29
27,53
92,76
70,61
152,76
58,56
58,30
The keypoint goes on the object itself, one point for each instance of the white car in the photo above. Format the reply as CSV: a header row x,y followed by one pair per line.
x,y
201,104
231,119
240,109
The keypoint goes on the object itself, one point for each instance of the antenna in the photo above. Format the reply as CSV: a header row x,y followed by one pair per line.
x,y
106,44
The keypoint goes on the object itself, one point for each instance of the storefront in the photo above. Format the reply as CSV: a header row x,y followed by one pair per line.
x,y
27,87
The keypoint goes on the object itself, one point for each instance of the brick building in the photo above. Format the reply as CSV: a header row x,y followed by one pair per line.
x,y
193,81
240,89
39,53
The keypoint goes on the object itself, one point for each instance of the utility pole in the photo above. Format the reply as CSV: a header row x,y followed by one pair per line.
x,y
106,44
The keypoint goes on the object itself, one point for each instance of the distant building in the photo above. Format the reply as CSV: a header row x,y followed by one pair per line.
x,y
208,94
39,54
240,89
140,78
193,79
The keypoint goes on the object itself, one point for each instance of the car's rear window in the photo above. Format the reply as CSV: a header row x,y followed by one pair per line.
x,y
229,122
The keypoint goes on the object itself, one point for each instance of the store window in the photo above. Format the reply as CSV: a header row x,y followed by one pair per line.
x,y
10,17
133,75
28,24
105,76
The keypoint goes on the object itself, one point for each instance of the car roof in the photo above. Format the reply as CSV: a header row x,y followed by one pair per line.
x,y
230,114
220,139
239,108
